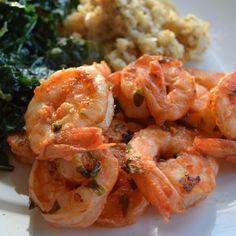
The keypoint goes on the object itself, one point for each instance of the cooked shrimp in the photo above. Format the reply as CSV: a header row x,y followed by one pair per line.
x,y
153,184
20,147
192,175
129,89
66,200
124,204
77,95
70,141
162,185
121,131
199,114
205,78
180,88
217,148
180,91
223,105
181,139
200,100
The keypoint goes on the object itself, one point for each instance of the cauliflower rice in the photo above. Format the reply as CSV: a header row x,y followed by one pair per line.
x,y
127,29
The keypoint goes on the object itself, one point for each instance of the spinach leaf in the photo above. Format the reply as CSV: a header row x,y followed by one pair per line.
x,y
30,50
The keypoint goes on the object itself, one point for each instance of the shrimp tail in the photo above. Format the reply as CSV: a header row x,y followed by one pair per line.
x,y
217,148
69,142
163,195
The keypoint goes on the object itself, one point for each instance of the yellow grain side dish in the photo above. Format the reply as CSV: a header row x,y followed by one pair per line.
x,y
127,29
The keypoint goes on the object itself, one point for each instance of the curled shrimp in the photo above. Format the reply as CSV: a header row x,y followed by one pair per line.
x,y
223,105
72,140
128,86
170,186
154,84
180,88
217,148
20,147
180,91
199,114
124,204
76,95
73,193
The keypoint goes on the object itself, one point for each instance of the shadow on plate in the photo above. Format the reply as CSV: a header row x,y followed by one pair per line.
x,y
151,224
18,179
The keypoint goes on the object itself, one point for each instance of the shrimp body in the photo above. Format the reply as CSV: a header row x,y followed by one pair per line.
x,y
20,147
223,105
65,197
76,95
199,114
192,175
205,78
174,100
128,85
164,184
180,89
124,204
70,141
217,148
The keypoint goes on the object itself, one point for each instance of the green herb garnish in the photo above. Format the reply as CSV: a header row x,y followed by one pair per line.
x,y
128,148
56,126
83,171
138,97
97,188
129,167
56,207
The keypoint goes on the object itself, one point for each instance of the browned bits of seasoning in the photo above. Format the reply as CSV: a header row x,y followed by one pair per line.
x,y
163,60
173,130
189,182
77,197
90,166
124,203
138,97
117,106
132,184
52,168
119,127
165,128
127,136
233,92
56,126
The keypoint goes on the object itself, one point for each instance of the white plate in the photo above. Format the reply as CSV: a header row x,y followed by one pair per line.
x,y
214,216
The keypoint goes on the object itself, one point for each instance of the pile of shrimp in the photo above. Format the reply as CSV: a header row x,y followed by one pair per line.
x,y
106,145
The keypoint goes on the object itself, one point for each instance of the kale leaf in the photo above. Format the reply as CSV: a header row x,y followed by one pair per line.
x,y
30,50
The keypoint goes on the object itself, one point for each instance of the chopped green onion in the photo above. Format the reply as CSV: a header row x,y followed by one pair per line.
x,y
56,126
138,97
98,189
128,148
